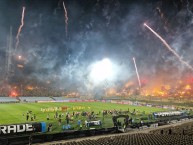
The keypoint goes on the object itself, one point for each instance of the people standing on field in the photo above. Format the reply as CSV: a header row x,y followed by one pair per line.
x,y
48,117
27,116
56,114
67,119
59,121
32,118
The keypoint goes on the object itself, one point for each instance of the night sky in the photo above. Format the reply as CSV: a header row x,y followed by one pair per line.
x,y
97,29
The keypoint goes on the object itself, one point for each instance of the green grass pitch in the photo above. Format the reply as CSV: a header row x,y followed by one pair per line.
x,y
16,113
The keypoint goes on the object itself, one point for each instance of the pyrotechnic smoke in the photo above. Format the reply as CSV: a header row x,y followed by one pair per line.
x,y
93,36
137,73
163,18
66,18
187,7
20,27
168,46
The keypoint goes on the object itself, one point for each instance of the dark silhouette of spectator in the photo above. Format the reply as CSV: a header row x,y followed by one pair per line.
x,y
183,132
170,131
30,140
119,123
141,123
49,127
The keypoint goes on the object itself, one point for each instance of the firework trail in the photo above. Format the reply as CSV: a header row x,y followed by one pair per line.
x,y
137,73
20,27
66,18
168,46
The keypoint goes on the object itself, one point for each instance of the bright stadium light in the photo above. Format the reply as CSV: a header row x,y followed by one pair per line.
x,y
101,70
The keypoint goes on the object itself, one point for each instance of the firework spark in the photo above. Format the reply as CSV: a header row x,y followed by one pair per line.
x,y
20,27
163,18
168,46
66,18
137,73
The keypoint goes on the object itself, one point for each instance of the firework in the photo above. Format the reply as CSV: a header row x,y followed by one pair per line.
x,y
137,73
168,47
66,18
20,27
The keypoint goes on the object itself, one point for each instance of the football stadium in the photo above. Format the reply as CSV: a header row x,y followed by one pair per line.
x,y
98,72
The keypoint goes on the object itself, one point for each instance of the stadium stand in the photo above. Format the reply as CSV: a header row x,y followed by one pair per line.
x,y
8,100
185,129
135,139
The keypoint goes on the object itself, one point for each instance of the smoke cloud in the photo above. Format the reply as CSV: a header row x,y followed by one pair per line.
x,y
97,29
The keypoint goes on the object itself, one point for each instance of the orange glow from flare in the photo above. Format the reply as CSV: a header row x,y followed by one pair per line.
x,y
111,91
30,88
13,94
187,87
128,84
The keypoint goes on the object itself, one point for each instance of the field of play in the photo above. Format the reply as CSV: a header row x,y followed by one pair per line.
x,y
17,113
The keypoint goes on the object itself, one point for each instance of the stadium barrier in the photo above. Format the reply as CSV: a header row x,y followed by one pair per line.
x,y
168,114
41,138
7,130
